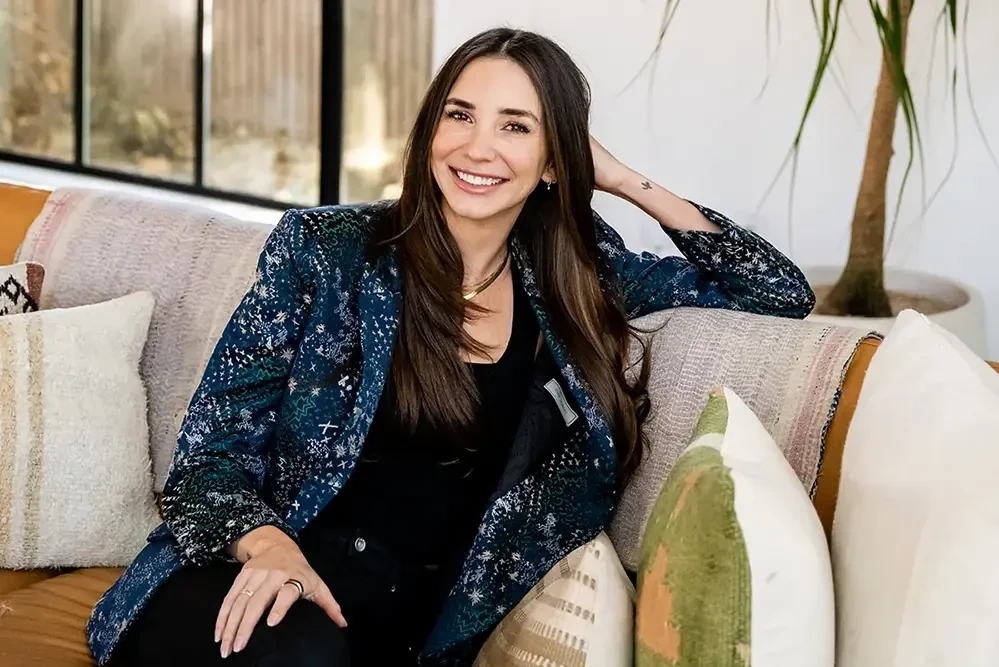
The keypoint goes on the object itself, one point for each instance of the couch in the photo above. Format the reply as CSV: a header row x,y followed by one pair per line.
x,y
43,613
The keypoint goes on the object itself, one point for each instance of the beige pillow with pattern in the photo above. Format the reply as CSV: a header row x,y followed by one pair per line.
x,y
75,479
581,614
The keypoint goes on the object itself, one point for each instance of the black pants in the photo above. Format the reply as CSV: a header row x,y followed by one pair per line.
x,y
390,609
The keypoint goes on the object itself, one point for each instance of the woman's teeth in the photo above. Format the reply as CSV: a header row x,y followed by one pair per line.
x,y
477,180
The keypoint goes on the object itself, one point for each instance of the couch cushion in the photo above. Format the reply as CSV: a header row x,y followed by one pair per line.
x,y
787,371
44,625
18,207
97,245
12,580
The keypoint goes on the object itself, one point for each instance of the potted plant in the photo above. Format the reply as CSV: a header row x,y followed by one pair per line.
x,y
864,292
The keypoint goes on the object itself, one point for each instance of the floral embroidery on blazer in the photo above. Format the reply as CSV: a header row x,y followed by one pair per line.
x,y
286,400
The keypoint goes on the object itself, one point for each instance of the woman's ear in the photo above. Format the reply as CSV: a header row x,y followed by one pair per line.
x,y
548,176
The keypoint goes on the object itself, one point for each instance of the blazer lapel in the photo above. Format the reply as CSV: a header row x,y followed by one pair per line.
x,y
378,313
591,412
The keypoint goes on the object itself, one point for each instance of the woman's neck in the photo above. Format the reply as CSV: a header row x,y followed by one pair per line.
x,y
482,243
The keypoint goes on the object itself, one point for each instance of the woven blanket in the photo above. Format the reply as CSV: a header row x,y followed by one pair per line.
x,y
98,245
789,372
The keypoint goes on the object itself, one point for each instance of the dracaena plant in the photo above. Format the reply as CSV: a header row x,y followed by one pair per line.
x,y
860,289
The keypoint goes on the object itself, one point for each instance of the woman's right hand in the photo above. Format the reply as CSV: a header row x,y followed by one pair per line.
x,y
270,560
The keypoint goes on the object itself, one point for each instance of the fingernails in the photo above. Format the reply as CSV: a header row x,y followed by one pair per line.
x,y
225,651
218,637
240,643
272,621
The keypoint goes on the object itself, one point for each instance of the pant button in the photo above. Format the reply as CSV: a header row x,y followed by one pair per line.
x,y
360,544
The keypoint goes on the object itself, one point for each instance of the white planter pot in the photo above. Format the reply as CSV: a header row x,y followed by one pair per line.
x,y
964,316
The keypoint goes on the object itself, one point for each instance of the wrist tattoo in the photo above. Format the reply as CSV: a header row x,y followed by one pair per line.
x,y
646,185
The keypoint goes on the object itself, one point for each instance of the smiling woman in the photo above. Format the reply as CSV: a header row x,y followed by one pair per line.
x,y
471,411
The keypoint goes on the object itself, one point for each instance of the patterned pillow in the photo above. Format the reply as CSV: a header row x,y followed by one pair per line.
x,y
735,568
20,288
581,613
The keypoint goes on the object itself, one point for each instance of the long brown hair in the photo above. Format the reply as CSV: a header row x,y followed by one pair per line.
x,y
558,232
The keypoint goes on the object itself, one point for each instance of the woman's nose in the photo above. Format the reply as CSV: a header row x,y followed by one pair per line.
x,y
480,146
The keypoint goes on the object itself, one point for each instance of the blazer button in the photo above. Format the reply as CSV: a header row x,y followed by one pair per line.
x,y
360,545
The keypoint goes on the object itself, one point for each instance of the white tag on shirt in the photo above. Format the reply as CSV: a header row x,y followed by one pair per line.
x,y
555,389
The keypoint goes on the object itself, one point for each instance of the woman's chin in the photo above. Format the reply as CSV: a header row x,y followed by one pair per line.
x,y
479,208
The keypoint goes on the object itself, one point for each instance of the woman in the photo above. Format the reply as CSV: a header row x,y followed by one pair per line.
x,y
420,406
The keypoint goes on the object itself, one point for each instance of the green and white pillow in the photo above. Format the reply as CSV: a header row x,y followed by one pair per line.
x,y
735,568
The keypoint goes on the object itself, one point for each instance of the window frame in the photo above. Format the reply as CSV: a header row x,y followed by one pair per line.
x,y
330,114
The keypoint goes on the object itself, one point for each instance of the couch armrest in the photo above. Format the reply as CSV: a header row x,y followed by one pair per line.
x,y
11,580
20,206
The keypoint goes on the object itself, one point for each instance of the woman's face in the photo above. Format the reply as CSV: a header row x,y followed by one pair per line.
x,y
488,153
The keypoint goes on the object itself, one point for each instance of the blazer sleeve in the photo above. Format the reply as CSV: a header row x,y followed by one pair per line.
x,y
733,268
212,494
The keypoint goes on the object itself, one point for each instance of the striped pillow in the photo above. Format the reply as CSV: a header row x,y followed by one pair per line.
x,y
20,288
75,481
581,613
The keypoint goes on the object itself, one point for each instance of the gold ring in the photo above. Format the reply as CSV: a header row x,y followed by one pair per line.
x,y
247,592
297,584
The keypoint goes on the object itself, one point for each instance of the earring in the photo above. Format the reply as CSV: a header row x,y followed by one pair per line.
x,y
549,186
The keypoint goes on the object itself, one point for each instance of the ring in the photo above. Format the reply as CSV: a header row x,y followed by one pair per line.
x,y
247,592
297,584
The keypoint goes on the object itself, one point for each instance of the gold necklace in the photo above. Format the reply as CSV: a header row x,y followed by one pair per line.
x,y
489,281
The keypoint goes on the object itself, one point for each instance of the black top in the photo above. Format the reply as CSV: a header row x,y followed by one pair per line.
x,y
423,494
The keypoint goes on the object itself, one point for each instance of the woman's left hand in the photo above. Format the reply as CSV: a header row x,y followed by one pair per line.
x,y
609,172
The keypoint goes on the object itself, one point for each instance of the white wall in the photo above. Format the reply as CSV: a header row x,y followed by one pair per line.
x,y
704,133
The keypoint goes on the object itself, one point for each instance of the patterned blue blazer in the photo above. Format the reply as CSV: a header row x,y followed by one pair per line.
x,y
286,400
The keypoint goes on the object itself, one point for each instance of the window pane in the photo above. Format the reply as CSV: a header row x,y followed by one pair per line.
x,y
142,86
36,77
387,67
265,80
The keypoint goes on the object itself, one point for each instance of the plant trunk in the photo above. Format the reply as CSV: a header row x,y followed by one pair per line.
x,y
860,290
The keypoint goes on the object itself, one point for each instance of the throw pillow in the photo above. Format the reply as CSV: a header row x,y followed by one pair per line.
x,y
916,529
579,614
735,568
20,288
75,481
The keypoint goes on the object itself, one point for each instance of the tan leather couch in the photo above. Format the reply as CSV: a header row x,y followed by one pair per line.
x,y
43,614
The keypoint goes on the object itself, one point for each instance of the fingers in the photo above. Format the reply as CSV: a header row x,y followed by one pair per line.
x,y
327,603
254,609
237,585
287,596
255,583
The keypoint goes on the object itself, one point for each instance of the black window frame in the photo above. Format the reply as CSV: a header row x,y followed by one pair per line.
x,y
330,115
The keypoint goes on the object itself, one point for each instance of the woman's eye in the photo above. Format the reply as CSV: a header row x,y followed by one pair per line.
x,y
519,127
455,114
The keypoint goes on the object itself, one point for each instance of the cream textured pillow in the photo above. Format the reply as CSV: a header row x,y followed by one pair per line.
x,y
916,530
735,568
75,480
580,614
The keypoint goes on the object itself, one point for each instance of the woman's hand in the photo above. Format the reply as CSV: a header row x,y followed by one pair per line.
x,y
271,560
610,174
